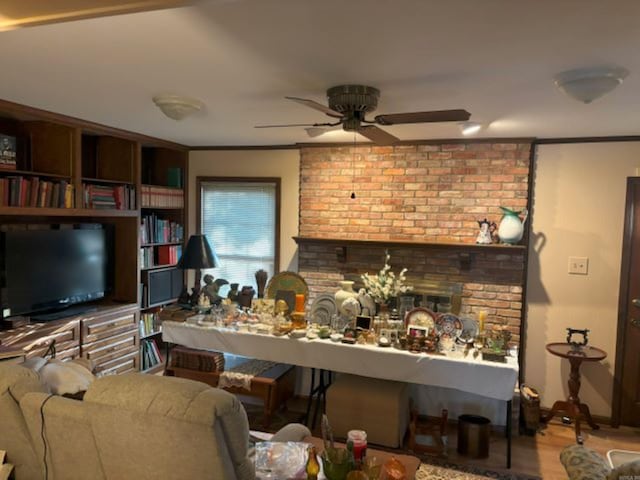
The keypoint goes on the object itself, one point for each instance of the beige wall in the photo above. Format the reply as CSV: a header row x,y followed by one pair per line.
x,y
578,210
255,163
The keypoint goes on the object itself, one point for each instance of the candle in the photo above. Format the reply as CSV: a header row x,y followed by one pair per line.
x,y
482,316
299,302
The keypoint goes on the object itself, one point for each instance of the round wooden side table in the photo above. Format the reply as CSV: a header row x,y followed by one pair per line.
x,y
573,407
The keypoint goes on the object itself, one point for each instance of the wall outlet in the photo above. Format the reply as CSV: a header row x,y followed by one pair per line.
x,y
579,265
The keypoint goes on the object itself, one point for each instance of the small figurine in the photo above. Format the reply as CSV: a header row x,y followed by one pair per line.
x,y
368,306
212,287
233,292
485,235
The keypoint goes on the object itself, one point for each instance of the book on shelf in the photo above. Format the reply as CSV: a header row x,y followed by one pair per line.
x,y
161,255
158,230
118,197
150,354
20,191
149,324
162,197
7,152
169,254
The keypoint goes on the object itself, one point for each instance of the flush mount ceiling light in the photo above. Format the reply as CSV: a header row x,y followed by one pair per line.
x,y
588,84
177,107
470,128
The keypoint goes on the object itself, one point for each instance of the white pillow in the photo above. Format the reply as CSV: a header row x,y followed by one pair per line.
x,y
61,377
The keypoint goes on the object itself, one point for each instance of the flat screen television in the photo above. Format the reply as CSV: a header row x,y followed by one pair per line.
x,y
52,269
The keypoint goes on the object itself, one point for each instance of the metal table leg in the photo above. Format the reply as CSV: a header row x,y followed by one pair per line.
x,y
509,413
310,397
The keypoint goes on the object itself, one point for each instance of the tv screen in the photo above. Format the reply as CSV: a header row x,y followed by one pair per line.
x,y
47,269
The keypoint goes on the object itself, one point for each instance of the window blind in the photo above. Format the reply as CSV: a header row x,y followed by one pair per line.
x,y
239,220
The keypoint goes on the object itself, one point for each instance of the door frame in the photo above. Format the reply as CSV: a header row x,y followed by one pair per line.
x,y
623,312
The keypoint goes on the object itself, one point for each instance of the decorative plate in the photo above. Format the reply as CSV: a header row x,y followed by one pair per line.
x,y
449,324
286,281
422,317
470,329
322,309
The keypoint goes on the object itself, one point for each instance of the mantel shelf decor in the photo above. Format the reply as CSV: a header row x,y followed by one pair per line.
x,y
466,249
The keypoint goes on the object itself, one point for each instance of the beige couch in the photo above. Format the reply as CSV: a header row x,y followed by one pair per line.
x,y
128,427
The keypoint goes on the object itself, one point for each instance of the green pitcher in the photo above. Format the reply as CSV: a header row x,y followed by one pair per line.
x,y
511,226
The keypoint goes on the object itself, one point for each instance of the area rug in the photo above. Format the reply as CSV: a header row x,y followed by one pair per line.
x,y
435,468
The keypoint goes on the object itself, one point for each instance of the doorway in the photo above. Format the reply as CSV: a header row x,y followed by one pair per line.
x,y
626,390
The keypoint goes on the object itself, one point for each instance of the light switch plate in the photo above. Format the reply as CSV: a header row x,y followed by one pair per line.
x,y
579,265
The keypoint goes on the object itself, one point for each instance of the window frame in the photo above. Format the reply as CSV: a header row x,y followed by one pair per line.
x,y
273,180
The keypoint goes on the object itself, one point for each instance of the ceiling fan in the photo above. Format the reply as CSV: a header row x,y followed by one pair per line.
x,y
348,105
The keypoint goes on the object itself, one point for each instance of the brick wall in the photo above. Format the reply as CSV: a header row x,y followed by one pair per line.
x,y
417,193
410,192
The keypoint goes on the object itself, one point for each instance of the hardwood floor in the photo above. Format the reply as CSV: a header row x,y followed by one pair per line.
x,y
537,456
540,455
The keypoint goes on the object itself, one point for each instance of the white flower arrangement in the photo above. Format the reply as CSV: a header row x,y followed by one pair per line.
x,y
385,285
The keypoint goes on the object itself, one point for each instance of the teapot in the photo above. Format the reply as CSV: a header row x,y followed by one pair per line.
x,y
511,226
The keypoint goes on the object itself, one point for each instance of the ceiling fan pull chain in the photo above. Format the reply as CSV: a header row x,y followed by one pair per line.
x,y
353,168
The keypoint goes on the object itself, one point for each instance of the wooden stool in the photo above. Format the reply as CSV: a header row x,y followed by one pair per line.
x,y
434,427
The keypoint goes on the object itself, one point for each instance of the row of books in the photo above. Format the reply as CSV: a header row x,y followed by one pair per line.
x,y
118,197
150,354
163,197
157,230
18,191
162,255
149,324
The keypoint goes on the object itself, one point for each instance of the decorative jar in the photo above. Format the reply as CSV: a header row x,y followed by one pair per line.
x,y
346,291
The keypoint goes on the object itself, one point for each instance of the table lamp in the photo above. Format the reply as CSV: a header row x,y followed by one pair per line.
x,y
197,255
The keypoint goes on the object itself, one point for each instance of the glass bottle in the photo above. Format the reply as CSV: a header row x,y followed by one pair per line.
x,y
313,467
406,305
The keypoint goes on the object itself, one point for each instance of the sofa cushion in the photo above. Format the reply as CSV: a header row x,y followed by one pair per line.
x,y
67,433
15,382
167,412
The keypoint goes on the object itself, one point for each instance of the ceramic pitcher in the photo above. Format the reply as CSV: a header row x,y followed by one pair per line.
x,y
511,226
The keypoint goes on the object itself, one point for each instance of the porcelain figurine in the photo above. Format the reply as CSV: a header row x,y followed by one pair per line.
x,y
367,303
485,235
511,226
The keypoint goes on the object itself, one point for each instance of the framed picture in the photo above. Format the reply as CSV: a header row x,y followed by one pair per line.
x,y
363,322
263,305
8,146
390,333
417,331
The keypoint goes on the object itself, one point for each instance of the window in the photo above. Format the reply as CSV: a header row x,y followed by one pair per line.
x,y
241,217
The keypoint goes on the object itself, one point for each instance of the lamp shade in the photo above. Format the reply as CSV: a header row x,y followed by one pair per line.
x,y
198,254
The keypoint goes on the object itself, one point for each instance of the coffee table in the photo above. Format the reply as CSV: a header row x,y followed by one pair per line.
x,y
573,407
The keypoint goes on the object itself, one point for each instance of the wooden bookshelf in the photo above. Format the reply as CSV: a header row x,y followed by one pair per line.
x,y
56,148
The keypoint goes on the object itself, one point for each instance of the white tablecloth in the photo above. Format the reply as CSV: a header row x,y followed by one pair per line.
x,y
488,379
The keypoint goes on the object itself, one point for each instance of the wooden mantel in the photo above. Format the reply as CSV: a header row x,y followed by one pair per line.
x,y
466,249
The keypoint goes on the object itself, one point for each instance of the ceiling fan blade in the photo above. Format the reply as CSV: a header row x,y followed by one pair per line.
x,y
316,106
377,135
458,115
317,131
296,125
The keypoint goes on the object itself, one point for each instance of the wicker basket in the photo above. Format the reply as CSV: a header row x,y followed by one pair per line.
x,y
530,404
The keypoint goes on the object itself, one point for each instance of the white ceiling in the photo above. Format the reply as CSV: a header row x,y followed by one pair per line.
x,y
496,58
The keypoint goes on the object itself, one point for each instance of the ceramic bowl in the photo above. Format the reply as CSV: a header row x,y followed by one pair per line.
x,y
299,333
335,337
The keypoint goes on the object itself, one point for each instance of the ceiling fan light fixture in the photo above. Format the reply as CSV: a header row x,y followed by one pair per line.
x,y
470,128
589,84
177,107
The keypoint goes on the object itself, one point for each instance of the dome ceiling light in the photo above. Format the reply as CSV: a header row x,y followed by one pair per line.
x,y
589,84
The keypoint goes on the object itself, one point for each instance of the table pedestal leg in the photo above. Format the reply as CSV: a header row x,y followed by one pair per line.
x,y
572,407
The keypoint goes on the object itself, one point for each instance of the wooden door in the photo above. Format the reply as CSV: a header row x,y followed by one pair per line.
x,y
626,394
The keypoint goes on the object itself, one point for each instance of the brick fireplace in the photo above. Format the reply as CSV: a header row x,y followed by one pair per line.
x,y
421,202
